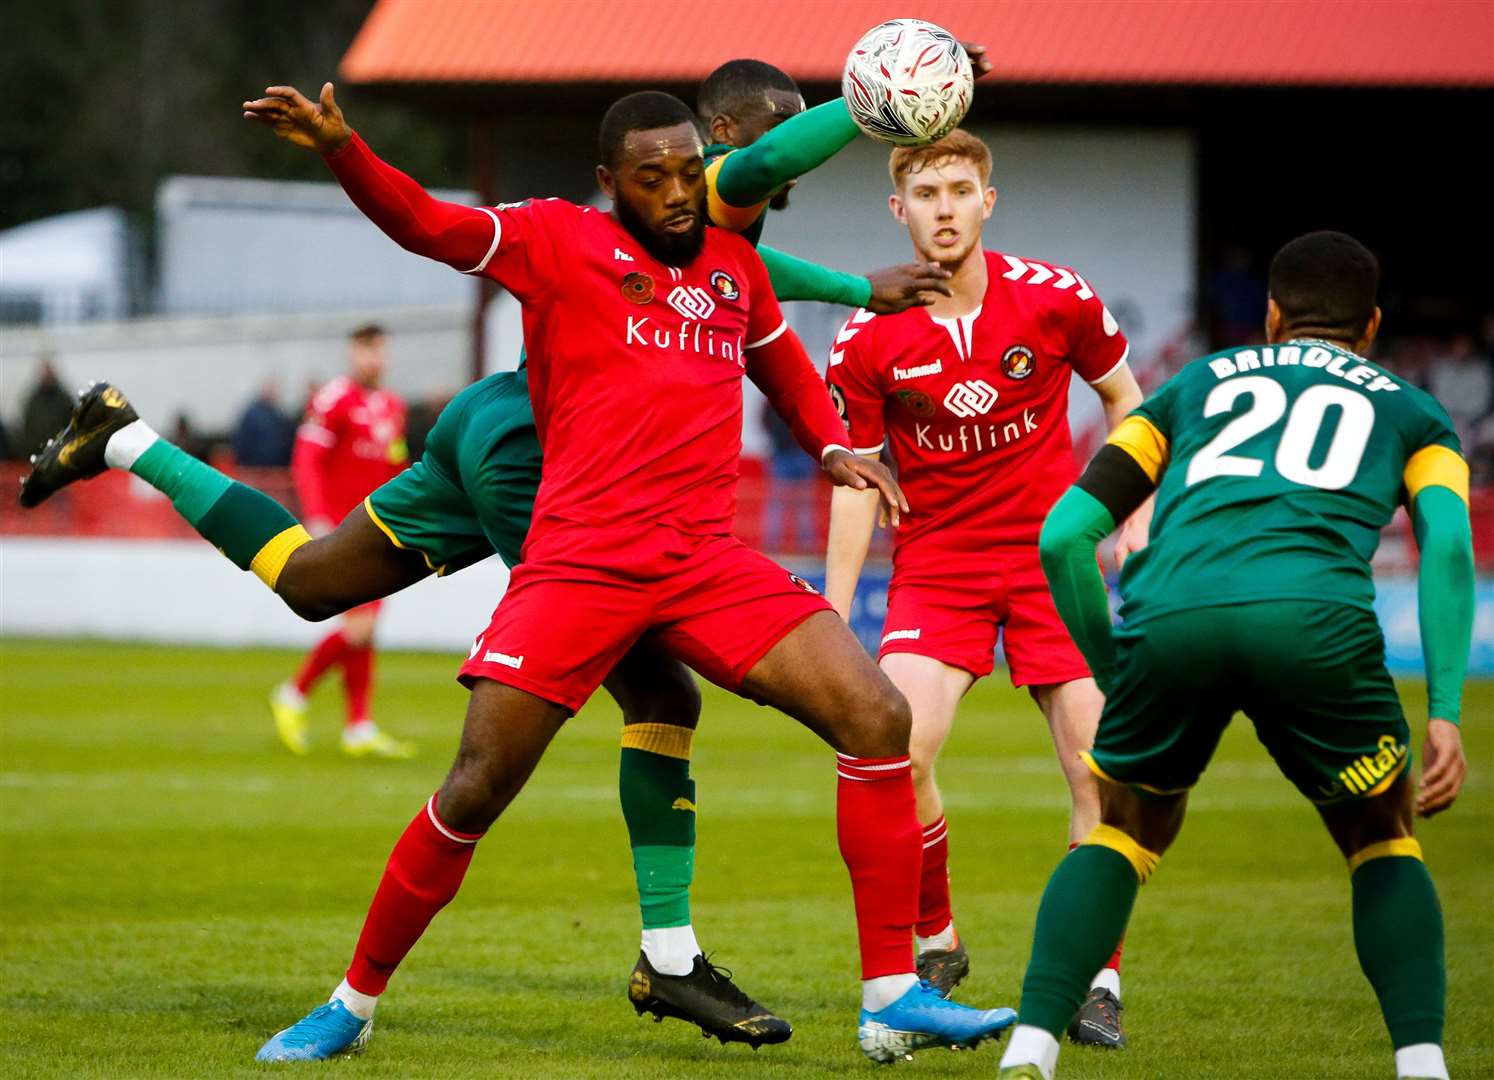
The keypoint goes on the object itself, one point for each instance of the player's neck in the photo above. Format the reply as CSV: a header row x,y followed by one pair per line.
x,y
967,288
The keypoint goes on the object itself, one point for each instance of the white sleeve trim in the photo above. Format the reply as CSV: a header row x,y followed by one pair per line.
x,y
1118,365
868,451
829,448
493,248
774,336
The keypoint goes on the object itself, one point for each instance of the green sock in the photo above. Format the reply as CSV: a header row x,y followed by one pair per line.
x,y
1398,936
252,529
658,802
1083,914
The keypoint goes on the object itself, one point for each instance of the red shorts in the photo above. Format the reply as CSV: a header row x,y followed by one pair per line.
x,y
954,618
583,596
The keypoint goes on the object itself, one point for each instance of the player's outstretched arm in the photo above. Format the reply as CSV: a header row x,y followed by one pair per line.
x,y
747,177
883,292
463,237
1119,393
1445,599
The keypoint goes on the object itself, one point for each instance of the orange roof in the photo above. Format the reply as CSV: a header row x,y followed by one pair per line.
x,y
1319,42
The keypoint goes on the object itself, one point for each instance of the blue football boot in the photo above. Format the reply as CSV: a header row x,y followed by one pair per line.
x,y
921,1018
327,1031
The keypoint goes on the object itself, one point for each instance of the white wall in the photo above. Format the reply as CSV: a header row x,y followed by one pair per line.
x,y
213,367
184,592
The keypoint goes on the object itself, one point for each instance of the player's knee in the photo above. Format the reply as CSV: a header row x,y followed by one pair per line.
x,y
883,721
672,701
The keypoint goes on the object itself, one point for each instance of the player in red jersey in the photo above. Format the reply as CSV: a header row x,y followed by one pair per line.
x,y
353,440
639,326
970,397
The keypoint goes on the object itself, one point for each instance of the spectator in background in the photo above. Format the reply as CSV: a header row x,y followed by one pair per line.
x,y
184,435
264,434
46,411
1462,379
790,505
1236,295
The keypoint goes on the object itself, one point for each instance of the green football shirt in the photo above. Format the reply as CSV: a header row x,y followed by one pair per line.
x,y
1278,467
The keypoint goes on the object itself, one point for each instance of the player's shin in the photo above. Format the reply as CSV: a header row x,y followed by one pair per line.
x,y
423,874
658,803
1084,912
252,529
1399,938
882,845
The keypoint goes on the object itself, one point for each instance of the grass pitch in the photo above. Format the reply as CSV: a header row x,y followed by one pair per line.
x,y
174,887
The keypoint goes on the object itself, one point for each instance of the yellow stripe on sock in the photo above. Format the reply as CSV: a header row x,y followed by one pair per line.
x,y
670,740
373,515
1141,860
1140,438
271,559
1385,849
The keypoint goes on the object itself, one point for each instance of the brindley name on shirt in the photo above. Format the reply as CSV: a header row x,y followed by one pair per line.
x,y
690,337
975,438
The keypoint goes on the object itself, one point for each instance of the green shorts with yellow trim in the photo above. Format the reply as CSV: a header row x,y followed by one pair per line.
x,y
471,494
1311,677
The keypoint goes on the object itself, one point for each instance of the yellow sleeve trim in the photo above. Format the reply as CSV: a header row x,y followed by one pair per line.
x,y
670,740
735,218
1406,846
1436,466
1141,860
1139,437
373,515
271,559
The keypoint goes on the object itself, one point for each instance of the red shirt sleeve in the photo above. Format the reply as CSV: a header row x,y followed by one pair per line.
x,y
777,363
318,435
1094,344
855,386
509,244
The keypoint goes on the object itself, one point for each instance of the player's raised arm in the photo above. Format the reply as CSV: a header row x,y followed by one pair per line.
x,y
1436,480
1122,476
463,237
885,292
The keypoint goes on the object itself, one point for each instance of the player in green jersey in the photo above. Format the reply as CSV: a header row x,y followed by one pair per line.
x,y
1275,468
471,495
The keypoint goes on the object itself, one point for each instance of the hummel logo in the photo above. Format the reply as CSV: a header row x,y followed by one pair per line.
x,y
491,657
902,635
621,256
972,398
918,371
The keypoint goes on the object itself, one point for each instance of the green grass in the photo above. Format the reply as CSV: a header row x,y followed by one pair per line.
x,y
174,888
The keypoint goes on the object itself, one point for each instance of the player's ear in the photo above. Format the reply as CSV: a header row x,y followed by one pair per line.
x,y
723,130
990,201
1370,330
895,204
607,182
1273,320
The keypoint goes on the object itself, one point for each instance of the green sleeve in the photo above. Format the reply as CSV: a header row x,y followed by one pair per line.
x,y
1074,527
1444,596
797,279
793,148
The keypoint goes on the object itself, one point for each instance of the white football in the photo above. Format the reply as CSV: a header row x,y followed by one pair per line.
x,y
907,82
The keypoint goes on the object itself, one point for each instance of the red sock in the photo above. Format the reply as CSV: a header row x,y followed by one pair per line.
x,y
327,652
933,888
1114,963
880,841
357,678
423,874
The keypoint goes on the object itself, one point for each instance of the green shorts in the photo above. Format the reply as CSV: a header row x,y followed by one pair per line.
x,y
472,492
1311,676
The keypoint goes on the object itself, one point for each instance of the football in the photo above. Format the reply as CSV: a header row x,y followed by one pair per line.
x,y
907,82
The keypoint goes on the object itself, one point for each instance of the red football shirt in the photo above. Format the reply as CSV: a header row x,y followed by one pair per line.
x,y
352,440
975,409
635,367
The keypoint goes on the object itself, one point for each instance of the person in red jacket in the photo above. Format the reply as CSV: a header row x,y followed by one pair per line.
x,y
352,440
